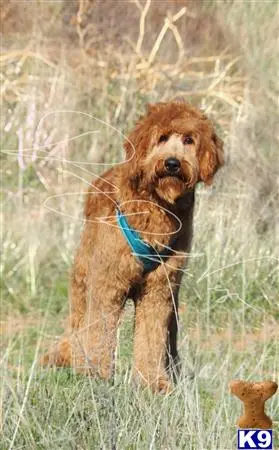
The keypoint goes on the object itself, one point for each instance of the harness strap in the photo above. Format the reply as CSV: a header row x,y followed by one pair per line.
x,y
144,252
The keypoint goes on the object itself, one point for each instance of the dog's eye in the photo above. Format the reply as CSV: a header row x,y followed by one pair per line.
x,y
163,138
187,140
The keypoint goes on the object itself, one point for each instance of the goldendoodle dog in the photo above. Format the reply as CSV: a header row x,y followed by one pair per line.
x,y
137,233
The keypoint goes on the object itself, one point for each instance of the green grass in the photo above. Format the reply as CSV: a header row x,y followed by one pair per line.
x,y
58,409
229,297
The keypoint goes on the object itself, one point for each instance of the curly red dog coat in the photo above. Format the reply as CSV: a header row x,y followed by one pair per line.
x,y
171,149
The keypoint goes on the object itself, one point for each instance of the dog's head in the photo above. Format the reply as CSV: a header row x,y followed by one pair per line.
x,y
171,149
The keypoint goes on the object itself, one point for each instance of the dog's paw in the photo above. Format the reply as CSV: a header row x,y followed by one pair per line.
x,y
164,386
52,359
158,383
45,360
59,355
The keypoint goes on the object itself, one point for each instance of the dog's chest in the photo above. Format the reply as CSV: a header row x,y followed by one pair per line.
x,y
156,225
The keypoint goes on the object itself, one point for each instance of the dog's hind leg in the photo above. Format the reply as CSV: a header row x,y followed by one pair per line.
x,y
173,361
60,354
95,340
78,295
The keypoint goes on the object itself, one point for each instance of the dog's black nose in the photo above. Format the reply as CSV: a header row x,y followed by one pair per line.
x,y
172,164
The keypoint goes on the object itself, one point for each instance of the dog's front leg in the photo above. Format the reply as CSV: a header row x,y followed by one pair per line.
x,y
154,310
95,342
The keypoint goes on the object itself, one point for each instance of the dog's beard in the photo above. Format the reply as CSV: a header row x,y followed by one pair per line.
x,y
171,186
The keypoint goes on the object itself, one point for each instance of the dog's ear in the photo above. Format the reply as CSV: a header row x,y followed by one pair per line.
x,y
133,140
211,159
141,139
137,144
129,148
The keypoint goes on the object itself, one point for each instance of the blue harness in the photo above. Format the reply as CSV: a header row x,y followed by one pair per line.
x,y
144,252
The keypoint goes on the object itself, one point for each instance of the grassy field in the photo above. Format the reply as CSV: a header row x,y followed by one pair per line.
x,y
74,77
